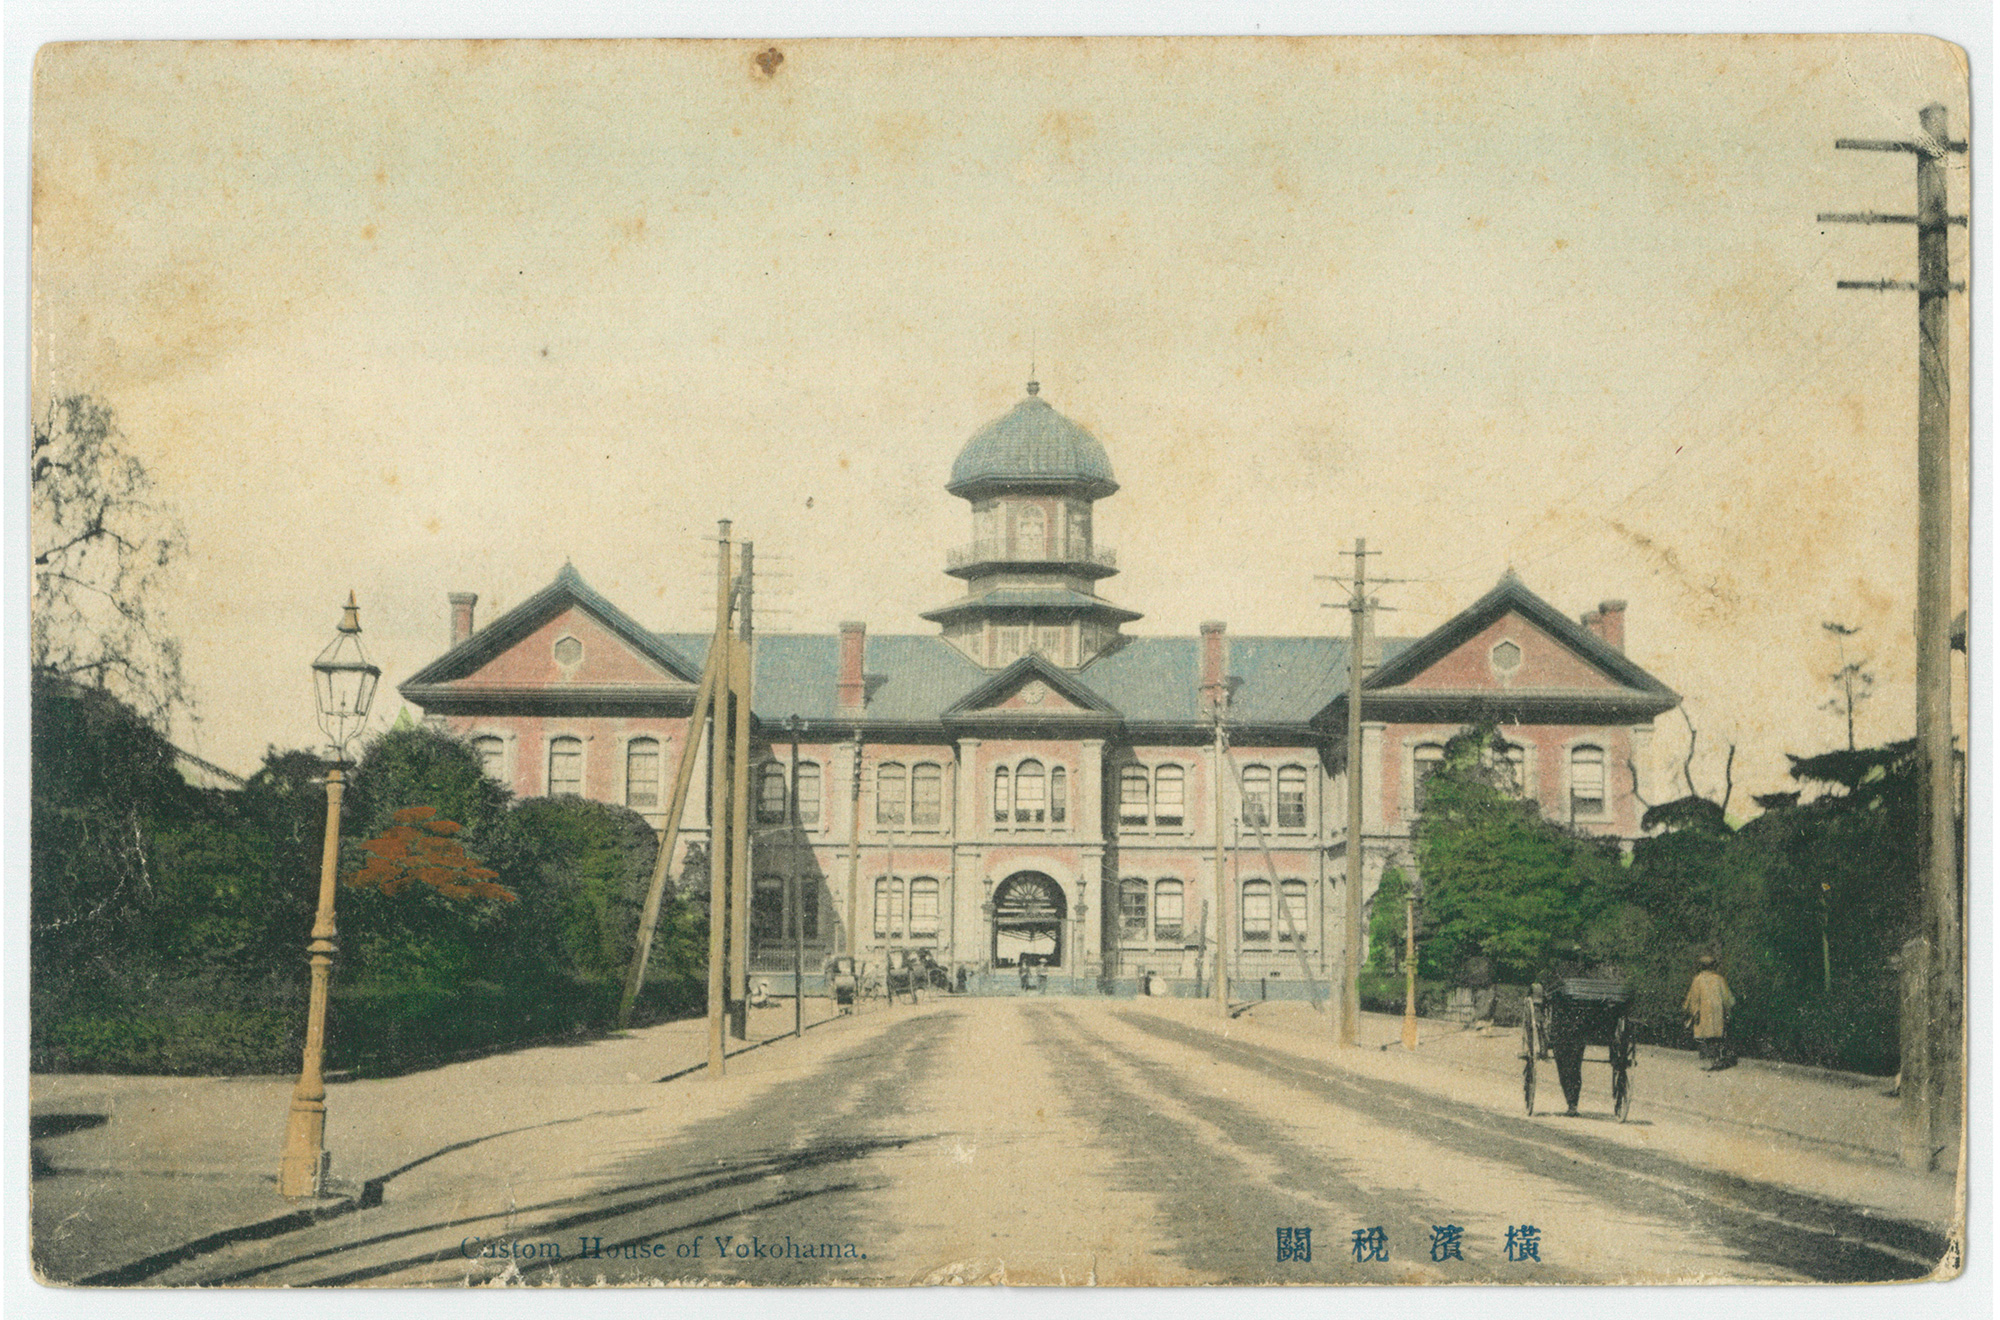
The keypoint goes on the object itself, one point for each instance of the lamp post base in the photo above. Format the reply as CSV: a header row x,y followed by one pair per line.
x,y
302,1172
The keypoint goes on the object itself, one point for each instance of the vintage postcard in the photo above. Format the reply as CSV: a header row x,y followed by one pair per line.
x,y
1042,661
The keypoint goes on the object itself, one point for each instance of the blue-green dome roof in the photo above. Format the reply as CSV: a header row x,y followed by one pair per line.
x,y
1033,443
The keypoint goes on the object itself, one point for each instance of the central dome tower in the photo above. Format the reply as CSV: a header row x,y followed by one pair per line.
x,y
1031,567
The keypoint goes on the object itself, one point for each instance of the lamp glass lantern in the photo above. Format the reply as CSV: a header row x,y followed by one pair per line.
x,y
344,681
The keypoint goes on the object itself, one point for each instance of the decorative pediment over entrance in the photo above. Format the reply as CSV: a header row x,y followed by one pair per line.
x,y
1032,688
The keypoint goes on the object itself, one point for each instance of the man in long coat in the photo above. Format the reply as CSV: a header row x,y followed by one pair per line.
x,y
1707,1007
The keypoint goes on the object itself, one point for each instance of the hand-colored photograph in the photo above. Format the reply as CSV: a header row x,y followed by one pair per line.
x,y
1112,661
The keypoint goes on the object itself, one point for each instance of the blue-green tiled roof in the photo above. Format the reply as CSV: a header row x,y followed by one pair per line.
x,y
1034,442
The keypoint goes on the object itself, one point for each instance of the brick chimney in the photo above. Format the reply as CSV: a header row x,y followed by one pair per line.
x,y
1214,688
853,647
461,615
1608,622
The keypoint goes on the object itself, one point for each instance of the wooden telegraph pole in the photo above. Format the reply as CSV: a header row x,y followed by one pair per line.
x,y
739,807
718,811
1932,1070
1350,980
1223,899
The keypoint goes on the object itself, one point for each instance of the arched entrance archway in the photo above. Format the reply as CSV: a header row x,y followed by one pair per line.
x,y
1029,911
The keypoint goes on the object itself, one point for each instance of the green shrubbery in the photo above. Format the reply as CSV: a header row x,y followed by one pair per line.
x,y
170,924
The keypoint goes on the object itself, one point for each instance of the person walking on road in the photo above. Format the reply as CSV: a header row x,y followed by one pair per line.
x,y
1707,1008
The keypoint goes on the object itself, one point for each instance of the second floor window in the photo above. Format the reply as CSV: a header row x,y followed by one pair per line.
x,y
808,794
1257,796
1169,794
892,795
1058,795
1292,797
926,796
1030,787
642,774
1586,781
771,793
1134,798
1425,761
492,754
1003,794
566,767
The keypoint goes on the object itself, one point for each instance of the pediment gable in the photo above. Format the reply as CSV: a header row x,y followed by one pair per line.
x,y
1512,653
1032,688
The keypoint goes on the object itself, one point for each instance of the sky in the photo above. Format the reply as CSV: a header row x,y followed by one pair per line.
x,y
413,318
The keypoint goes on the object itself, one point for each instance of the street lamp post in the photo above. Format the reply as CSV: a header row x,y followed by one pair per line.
x,y
344,685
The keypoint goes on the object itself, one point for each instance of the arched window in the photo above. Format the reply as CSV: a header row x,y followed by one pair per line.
x,y
926,795
888,909
1292,911
1257,796
1256,911
1168,910
923,908
1169,792
1029,787
1586,781
1425,761
492,754
808,795
767,910
1292,797
771,793
1031,532
1510,765
1058,795
1003,796
1132,909
1133,796
642,773
565,767
892,794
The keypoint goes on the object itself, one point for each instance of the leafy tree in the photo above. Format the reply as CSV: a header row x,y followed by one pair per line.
x,y
102,546
1386,922
1500,880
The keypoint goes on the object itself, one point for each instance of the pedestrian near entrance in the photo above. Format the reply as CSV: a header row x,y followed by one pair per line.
x,y
1707,1008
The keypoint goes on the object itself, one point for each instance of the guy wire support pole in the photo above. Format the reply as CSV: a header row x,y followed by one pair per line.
x,y
1932,1120
718,811
739,813
798,893
1350,990
1410,968
649,917
1222,895
854,865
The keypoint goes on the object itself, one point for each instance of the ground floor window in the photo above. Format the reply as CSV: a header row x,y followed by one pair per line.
x,y
888,909
767,910
1168,900
1132,909
923,908
1292,894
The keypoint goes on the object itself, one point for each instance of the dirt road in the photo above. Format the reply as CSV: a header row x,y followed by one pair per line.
x,y
1073,1141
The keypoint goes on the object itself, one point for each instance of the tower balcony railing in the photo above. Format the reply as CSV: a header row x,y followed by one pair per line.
x,y
1061,552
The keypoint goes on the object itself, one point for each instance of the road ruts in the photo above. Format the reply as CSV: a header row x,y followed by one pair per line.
x,y
1806,1238
803,1161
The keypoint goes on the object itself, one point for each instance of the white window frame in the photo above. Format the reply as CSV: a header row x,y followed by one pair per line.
x,y
660,793
1603,745
582,763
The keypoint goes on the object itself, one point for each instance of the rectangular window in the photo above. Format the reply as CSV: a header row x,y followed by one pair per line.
x,y
923,909
771,793
492,756
926,796
1167,910
1132,795
1058,795
808,797
1586,781
1292,798
1003,795
1169,789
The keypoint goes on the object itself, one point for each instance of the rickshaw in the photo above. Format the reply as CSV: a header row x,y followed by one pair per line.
x,y
1588,1009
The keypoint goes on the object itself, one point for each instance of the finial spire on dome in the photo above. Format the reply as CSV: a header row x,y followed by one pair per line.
x,y
1034,387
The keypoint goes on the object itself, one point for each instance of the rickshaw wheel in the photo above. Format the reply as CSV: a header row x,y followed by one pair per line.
x,y
1528,1051
1621,1071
